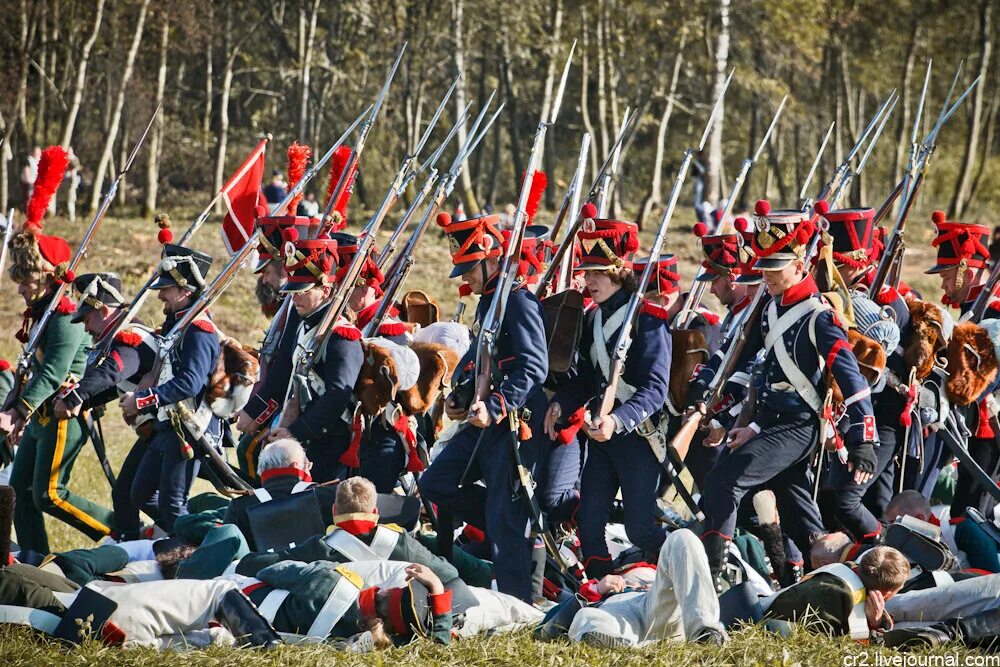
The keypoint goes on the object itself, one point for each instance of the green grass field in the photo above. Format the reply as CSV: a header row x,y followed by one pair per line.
x,y
128,246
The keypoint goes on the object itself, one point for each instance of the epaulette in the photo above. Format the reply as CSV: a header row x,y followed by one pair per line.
x,y
649,308
348,331
393,527
393,329
128,337
65,306
204,325
709,316
887,295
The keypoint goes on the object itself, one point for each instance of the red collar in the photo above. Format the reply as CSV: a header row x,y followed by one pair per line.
x,y
356,523
740,305
268,475
366,315
799,292
366,602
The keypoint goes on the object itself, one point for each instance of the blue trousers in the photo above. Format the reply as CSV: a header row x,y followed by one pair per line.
x,y
851,510
560,496
127,521
780,454
383,456
163,479
626,462
923,480
503,514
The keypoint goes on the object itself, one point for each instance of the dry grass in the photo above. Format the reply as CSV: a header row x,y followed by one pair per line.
x,y
128,246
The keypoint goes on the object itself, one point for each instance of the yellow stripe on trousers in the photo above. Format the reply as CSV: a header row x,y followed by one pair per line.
x,y
61,429
251,449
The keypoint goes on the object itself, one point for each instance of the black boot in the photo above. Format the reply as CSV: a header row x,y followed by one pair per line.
x,y
981,630
717,549
240,616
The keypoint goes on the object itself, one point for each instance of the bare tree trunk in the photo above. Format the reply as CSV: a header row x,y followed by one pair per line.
x,y
714,171
81,75
602,93
26,37
511,96
555,33
963,188
227,86
655,195
206,118
307,55
584,89
156,135
37,134
458,34
116,117
905,122
992,111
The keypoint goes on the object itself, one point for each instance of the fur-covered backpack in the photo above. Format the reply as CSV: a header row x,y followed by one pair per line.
x,y
232,382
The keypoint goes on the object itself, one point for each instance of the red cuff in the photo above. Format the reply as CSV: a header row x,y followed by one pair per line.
x,y
440,603
272,407
148,401
589,591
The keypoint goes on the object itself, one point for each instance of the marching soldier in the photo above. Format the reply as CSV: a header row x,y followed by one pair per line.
x,y
166,471
49,444
262,409
962,257
129,357
855,250
319,406
778,442
619,456
521,366
366,294
665,300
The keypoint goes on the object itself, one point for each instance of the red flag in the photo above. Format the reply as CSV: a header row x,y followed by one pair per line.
x,y
244,200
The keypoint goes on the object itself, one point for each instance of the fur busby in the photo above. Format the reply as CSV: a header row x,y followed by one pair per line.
x,y
437,365
298,158
236,373
931,328
376,384
972,361
338,214
31,252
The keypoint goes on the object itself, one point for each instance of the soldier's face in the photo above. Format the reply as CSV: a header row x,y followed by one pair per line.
x,y
174,299
781,279
851,274
723,289
949,282
308,301
33,288
272,275
361,297
95,322
600,285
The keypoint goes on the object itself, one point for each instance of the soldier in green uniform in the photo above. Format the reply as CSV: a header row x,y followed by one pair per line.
x,y
48,446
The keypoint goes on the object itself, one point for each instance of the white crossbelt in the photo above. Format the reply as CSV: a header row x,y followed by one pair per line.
x,y
599,348
355,550
774,340
42,621
343,596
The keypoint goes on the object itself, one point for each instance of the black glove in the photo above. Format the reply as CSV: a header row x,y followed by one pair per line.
x,y
862,456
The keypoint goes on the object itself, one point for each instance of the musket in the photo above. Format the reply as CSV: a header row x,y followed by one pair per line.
x,y
803,199
389,249
130,313
845,184
359,146
596,195
632,309
8,232
406,258
909,185
38,329
832,186
493,317
697,291
571,202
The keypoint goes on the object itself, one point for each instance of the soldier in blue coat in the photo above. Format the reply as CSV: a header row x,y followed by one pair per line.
x,y
130,355
519,370
804,343
618,455
167,469
319,408
962,257
275,355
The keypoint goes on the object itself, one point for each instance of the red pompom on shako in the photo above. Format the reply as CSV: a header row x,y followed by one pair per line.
x,y
298,159
165,235
589,211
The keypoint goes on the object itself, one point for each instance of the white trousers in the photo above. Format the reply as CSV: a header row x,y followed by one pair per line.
x,y
498,613
150,611
954,600
680,603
